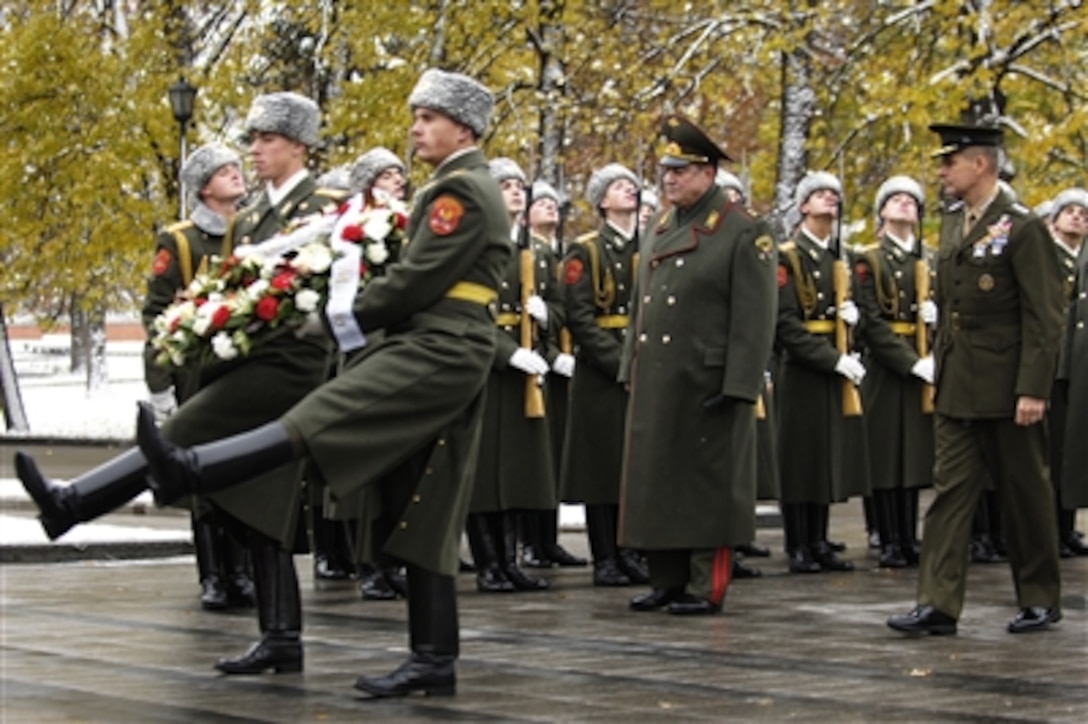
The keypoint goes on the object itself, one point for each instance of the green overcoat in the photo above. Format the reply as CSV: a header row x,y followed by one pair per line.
x,y
250,391
1073,371
406,414
701,333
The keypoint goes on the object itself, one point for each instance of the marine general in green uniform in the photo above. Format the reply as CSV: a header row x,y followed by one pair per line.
x,y
701,333
999,292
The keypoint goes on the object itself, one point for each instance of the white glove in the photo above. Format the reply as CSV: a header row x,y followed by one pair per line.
x,y
312,327
848,312
164,404
529,362
851,368
928,311
923,369
537,309
564,364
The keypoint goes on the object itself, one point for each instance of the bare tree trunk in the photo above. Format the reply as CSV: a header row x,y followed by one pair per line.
x,y
98,378
552,85
77,348
798,109
12,399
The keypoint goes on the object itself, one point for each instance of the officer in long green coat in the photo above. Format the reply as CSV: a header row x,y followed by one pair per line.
x,y
701,332
1068,414
999,294
820,450
599,278
212,176
896,388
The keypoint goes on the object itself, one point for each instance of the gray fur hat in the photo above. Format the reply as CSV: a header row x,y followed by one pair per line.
x,y
288,114
1069,197
503,168
602,178
649,197
898,185
335,178
544,190
726,180
1043,209
463,99
202,164
815,181
368,166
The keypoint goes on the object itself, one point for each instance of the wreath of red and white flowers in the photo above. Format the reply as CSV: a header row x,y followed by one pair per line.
x,y
264,290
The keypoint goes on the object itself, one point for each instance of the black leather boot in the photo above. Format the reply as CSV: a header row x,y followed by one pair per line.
x,y
521,580
908,524
872,522
178,471
209,564
795,525
329,556
489,575
95,493
279,613
822,551
434,641
601,530
632,565
886,509
373,585
549,536
532,549
241,593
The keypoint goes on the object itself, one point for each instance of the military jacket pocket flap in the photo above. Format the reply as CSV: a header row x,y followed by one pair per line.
x,y
714,357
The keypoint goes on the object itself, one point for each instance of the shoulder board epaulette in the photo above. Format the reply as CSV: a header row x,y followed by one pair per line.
x,y
179,226
1019,208
333,193
954,206
787,246
586,237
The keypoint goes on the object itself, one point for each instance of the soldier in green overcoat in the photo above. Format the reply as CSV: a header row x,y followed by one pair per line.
x,y
212,177
701,331
897,384
819,452
1068,414
999,294
599,277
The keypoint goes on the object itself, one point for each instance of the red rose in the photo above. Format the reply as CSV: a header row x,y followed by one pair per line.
x,y
283,280
200,302
221,317
174,324
400,221
352,232
267,308
343,208
227,264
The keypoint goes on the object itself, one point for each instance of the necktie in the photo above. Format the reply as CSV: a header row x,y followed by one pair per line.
x,y
969,222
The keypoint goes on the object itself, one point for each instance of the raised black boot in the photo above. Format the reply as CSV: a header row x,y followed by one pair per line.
x,y
178,471
521,580
795,528
822,551
489,575
209,563
601,531
279,613
885,503
95,493
434,639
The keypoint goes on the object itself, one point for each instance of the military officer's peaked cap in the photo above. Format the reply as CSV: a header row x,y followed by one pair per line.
x,y
686,144
956,138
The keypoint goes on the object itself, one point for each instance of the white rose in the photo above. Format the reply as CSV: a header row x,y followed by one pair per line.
x,y
203,319
306,300
378,226
223,346
256,289
313,259
377,253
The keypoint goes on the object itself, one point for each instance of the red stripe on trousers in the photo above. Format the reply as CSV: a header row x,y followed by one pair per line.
x,y
721,571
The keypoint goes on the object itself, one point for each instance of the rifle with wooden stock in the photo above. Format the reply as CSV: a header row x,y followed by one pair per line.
x,y
851,399
534,395
921,330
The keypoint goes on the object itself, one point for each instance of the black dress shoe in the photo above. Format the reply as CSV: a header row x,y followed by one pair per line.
x,y
534,557
395,577
464,566
983,550
655,599
1076,545
839,547
631,564
892,557
523,581
282,655
754,550
213,594
493,580
375,587
873,542
689,605
924,620
801,561
1064,551
240,591
740,570
432,674
608,573
825,556
328,570
1034,618
563,558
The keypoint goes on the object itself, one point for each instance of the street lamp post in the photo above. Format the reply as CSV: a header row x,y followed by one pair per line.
x,y
182,96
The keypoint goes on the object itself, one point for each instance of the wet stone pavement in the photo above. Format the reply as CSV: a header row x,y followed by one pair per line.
x,y
126,641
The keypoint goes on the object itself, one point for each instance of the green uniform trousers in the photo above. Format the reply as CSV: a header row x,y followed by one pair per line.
x,y
702,572
1015,457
